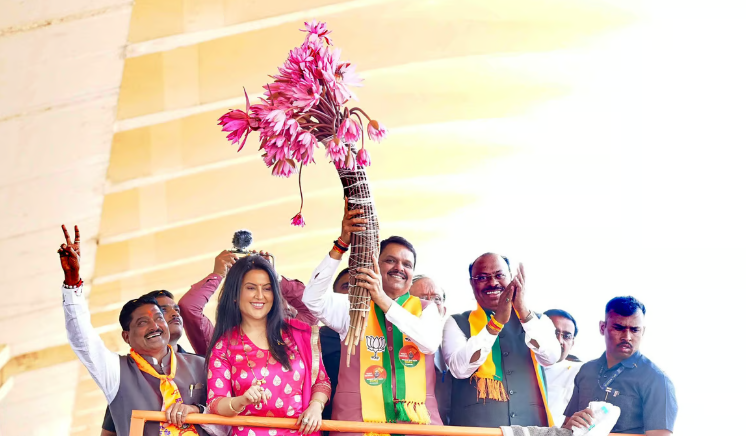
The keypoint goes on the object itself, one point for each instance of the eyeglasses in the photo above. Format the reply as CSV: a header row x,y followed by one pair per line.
x,y
437,299
565,335
482,278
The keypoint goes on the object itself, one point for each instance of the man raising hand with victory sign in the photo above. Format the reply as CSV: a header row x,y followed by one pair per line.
x,y
152,376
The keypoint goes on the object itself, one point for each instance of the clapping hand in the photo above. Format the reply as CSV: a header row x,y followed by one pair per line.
x,y
505,305
519,299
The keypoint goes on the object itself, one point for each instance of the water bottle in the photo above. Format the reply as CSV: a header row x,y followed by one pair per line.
x,y
605,416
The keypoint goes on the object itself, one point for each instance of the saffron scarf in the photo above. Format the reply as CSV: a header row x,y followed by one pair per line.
x,y
489,376
169,392
378,402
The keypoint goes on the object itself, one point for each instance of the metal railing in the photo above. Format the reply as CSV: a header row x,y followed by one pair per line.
x,y
139,417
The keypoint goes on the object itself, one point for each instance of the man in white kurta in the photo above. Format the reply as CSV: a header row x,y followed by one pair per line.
x,y
561,375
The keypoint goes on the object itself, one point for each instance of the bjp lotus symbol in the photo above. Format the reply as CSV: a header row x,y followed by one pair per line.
x,y
376,344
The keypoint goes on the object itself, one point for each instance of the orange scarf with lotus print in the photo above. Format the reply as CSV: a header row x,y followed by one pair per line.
x,y
169,392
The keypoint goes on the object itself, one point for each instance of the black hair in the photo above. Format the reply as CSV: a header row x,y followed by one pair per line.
x,y
401,241
241,240
563,314
471,265
339,277
160,293
125,316
228,315
625,306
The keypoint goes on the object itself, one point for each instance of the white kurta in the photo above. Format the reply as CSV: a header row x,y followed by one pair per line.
x,y
560,383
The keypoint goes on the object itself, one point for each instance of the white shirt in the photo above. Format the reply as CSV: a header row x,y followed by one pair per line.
x,y
101,363
560,384
334,310
457,350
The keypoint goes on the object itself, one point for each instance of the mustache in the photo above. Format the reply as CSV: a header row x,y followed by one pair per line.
x,y
176,319
397,272
493,288
624,343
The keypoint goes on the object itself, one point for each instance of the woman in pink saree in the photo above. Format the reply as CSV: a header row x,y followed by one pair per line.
x,y
260,363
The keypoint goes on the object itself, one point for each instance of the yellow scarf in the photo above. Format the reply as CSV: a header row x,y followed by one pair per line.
x,y
169,392
489,376
376,388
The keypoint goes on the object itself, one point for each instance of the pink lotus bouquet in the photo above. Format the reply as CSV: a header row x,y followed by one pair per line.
x,y
305,105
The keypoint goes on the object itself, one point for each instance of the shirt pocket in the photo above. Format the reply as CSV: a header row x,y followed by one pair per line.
x,y
631,411
196,392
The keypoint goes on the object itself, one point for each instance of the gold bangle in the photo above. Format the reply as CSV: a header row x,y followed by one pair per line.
x,y
323,404
230,404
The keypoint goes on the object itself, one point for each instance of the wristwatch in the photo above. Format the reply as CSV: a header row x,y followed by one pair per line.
x,y
529,317
202,409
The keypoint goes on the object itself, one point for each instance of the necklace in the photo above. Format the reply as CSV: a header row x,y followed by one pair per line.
x,y
264,372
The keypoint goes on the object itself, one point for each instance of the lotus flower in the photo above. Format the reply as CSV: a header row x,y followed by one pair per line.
x,y
284,168
307,94
363,158
376,131
349,162
345,76
238,123
349,131
336,152
317,31
304,105
303,147
298,220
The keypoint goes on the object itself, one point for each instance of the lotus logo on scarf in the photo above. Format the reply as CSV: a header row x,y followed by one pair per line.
x,y
375,344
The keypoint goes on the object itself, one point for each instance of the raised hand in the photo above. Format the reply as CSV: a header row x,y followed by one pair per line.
x,y
350,223
223,262
371,280
519,301
505,305
70,257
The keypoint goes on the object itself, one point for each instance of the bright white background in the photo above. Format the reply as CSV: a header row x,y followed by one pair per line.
x,y
632,185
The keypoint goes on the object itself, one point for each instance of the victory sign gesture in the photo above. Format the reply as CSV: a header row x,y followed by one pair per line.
x,y
70,257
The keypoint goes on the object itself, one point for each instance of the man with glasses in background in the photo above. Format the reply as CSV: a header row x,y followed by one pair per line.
x,y
425,288
561,375
494,354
